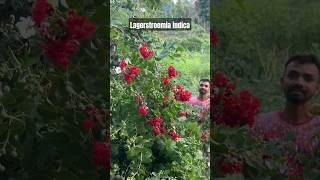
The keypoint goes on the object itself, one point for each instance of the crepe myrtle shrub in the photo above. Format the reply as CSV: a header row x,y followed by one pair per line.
x,y
51,70
149,135
241,155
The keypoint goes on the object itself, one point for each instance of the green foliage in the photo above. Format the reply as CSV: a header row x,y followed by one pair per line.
x,y
42,105
137,153
257,37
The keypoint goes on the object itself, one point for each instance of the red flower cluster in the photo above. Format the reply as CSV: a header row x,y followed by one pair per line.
x,y
88,124
213,38
230,108
165,80
65,42
156,123
40,10
58,50
132,72
123,64
172,72
231,168
93,115
173,135
143,110
180,94
101,154
138,99
79,27
145,53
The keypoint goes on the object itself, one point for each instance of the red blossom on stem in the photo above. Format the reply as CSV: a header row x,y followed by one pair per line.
x,y
180,94
145,53
58,51
101,154
163,131
40,10
172,72
230,108
213,38
79,27
138,99
123,64
131,74
173,135
165,80
135,70
231,168
88,124
143,110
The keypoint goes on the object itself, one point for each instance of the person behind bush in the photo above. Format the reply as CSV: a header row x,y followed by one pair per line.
x,y
299,83
203,99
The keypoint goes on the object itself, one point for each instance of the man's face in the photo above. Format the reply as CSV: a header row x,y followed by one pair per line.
x,y
300,82
204,87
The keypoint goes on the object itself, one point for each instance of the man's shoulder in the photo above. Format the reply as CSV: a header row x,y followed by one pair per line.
x,y
193,99
268,115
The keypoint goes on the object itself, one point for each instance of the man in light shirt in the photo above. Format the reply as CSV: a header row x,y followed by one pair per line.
x,y
299,83
203,99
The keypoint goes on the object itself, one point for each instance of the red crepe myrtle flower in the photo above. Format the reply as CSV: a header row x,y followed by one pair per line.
x,y
213,38
165,80
220,80
145,53
184,95
172,72
58,51
143,110
166,98
138,99
231,168
173,135
238,108
79,27
155,122
163,131
180,94
135,70
129,77
182,113
88,124
101,154
40,10
156,130
122,64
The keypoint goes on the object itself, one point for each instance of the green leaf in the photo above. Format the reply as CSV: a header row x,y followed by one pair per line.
x,y
54,3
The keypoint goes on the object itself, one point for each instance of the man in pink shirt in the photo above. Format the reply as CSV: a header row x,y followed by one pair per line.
x,y
203,100
300,82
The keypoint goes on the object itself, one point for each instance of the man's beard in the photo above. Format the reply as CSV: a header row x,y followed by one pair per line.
x,y
296,95
202,92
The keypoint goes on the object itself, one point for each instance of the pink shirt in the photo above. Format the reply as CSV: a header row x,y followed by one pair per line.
x,y
194,101
272,126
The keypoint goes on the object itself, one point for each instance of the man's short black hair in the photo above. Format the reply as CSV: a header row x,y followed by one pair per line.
x,y
304,59
204,80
